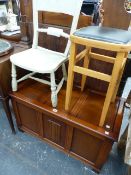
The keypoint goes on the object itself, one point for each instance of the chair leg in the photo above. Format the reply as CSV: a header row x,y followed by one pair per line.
x,y
53,90
112,85
85,65
6,106
70,76
14,75
64,71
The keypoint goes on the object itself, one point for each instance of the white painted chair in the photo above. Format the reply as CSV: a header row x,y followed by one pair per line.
x,y
41,60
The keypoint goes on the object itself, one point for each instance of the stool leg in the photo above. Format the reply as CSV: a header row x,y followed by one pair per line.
x,y
112,84
86,65
119,80
70,76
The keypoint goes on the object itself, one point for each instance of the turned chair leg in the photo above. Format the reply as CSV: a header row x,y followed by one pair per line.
x,y
14,75
53,90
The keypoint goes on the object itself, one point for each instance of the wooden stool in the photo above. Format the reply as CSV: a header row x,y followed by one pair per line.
x,y
109,39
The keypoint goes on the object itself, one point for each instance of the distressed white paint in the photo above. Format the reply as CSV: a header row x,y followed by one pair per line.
x,y
14,81
53,90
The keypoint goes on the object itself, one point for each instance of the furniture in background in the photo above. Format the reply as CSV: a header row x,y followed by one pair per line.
x,y
5,68
91,7
5,80
115,14
5,49
42,60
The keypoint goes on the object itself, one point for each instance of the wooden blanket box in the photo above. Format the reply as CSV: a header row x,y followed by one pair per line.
x,y
76,133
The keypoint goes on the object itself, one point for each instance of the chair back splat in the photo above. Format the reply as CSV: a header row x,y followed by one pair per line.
x,y
42,60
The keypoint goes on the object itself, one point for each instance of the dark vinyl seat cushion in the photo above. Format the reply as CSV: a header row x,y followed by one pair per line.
x,y
106,34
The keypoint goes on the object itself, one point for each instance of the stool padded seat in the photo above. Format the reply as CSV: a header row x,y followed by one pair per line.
x,y
106,34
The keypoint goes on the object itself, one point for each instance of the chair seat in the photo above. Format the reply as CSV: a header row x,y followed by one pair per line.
x,y
34,60
107,34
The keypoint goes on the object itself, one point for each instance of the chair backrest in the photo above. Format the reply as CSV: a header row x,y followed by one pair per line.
x,y
69,7
115,14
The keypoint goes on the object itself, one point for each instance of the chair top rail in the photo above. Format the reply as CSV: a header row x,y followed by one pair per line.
x,y
58,6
